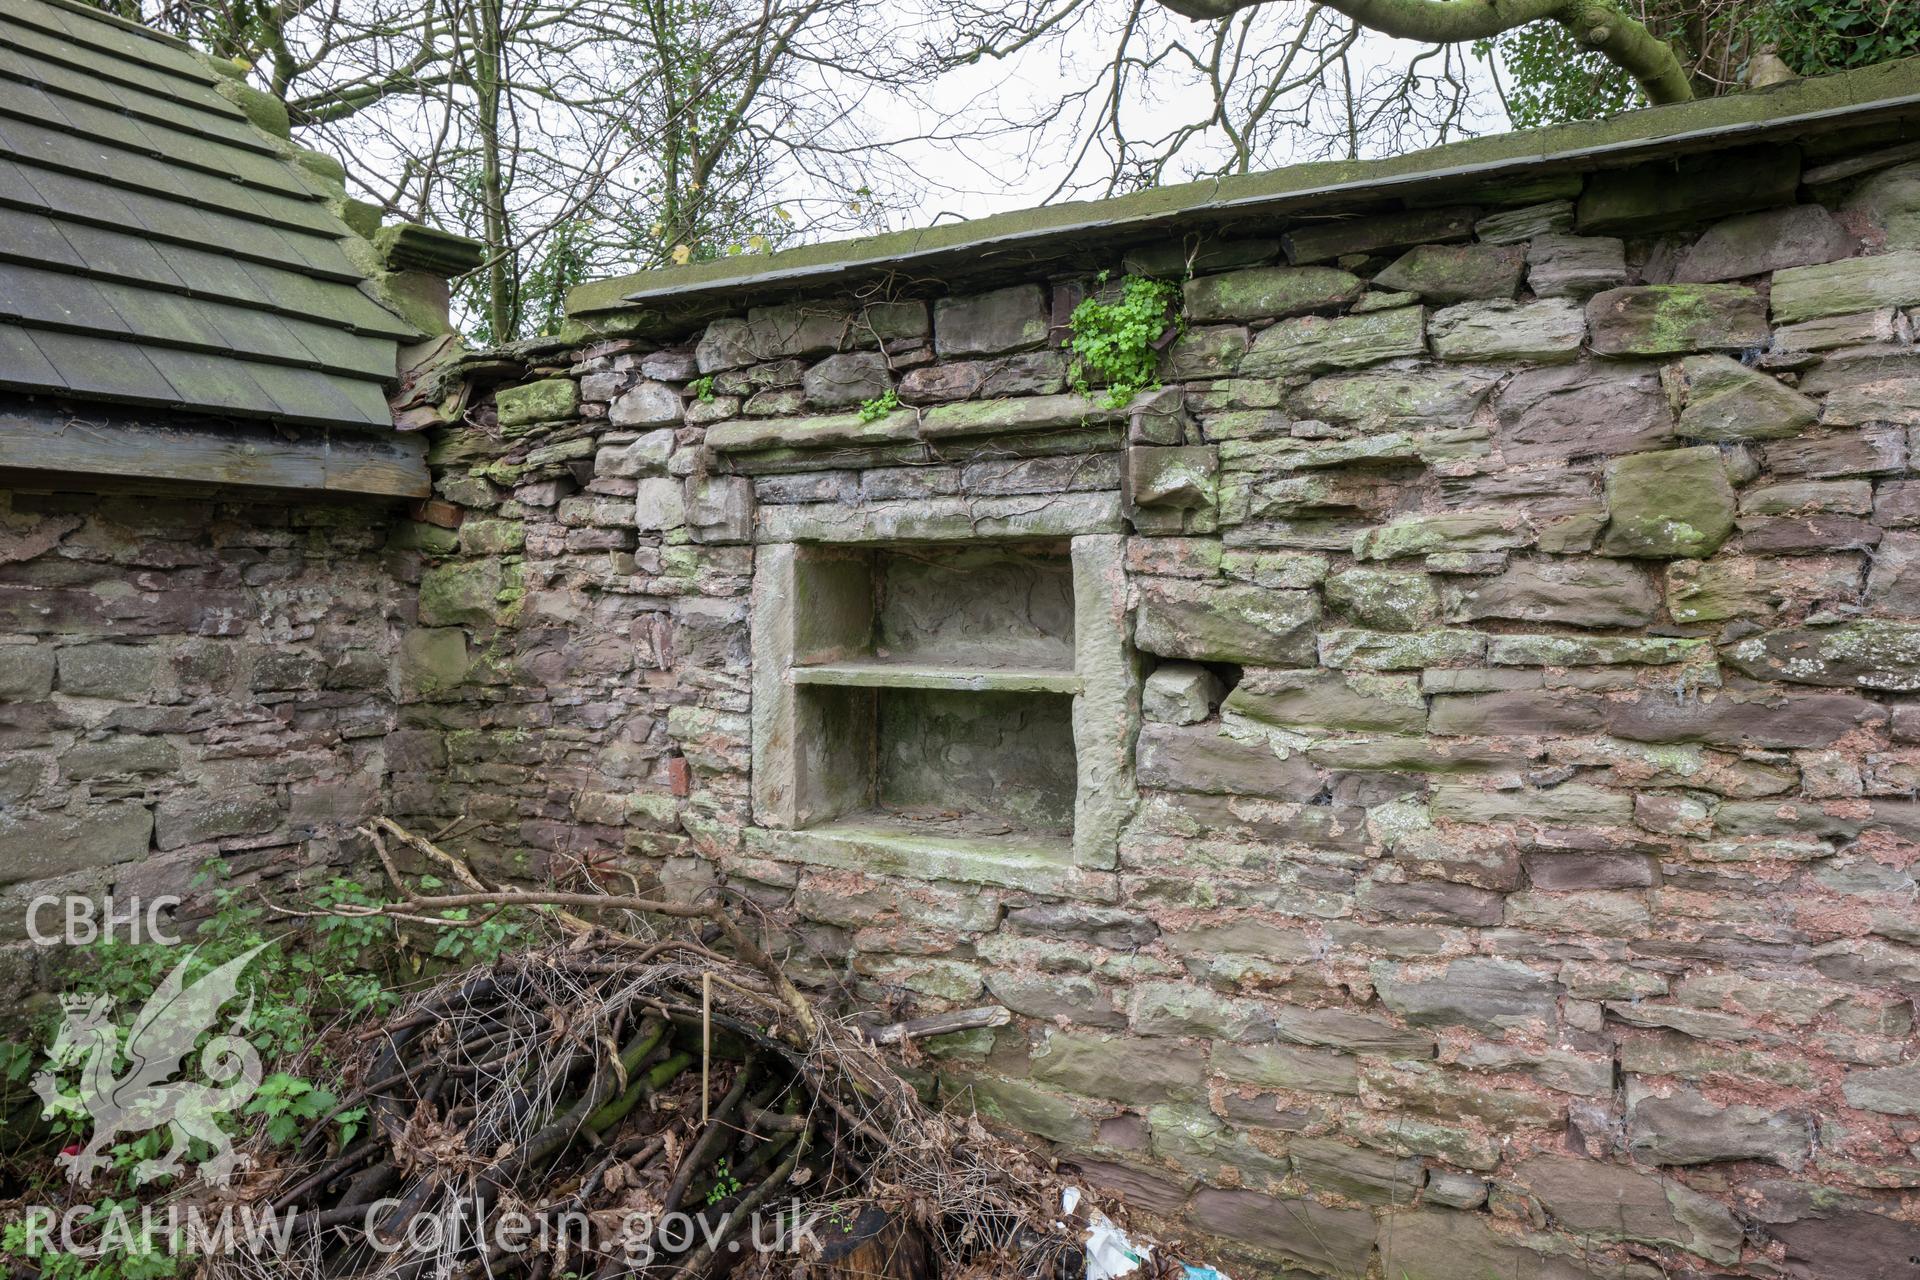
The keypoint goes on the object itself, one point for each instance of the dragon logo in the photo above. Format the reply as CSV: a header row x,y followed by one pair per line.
x,y
145,1096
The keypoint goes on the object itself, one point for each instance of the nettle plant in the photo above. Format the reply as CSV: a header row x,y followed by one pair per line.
x,y
1118,343
299,985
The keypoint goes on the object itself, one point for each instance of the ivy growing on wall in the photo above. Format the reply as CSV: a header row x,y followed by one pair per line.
x,y
1547,78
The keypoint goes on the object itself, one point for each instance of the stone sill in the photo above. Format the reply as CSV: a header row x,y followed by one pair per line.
x,y
1016,861
881,674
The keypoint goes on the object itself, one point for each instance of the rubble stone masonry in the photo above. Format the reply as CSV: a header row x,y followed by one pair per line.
x,y
184,679
1515,666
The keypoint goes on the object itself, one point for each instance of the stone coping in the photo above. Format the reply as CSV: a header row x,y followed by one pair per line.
x,y
1027,240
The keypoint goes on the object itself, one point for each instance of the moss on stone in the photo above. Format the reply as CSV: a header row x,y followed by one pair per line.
x,y
548,400
416,535
1671,503
1667,319
433,659
471,592
262,110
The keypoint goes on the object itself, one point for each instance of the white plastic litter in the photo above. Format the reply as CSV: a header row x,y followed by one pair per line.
x,y
1109,1252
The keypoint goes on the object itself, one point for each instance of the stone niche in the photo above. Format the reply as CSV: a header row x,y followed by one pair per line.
x,y
921,703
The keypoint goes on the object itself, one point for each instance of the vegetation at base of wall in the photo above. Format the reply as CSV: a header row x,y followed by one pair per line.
x,y
1113,342
335,971
1550,79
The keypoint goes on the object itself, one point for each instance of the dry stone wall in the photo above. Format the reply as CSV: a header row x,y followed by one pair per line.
x,y
181,680
1517,871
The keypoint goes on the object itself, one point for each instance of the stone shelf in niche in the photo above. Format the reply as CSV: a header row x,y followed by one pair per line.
x,y
880,826
881,673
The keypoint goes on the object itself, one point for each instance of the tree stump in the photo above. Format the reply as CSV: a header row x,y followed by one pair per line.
x,y
874,1246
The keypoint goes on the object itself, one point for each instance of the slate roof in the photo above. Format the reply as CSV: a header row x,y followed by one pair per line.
x,y
156,249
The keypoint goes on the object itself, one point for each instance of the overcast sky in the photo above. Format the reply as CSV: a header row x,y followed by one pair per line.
x,y
975,178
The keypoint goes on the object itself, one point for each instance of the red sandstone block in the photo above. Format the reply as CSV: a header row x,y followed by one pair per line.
x,y
436,511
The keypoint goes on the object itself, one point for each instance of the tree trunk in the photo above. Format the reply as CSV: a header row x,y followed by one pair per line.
x,y
502,320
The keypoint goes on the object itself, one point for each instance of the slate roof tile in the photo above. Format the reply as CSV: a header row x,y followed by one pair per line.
x,y
156,249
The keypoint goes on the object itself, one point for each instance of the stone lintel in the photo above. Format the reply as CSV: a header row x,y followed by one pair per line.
x,y
951,519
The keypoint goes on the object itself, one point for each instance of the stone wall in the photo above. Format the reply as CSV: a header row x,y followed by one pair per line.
x,y
1518,877
180,680
1488,665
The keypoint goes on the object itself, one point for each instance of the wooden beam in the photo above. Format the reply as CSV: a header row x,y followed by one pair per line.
x,y
127,445
391,463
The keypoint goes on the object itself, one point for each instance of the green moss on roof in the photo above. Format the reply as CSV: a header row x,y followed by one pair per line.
x,y
1797,108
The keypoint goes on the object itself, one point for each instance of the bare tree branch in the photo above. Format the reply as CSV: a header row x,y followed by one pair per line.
x,y
1599,25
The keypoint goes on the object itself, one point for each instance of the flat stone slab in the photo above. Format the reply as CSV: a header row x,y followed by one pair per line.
x,y
1755,243
1017,416
1207,623
1546,332
1022,862
1575,266
1009,319
1547,415
1320,344
1865,654
1269,291
1852,284
1670,319
879,674
1420,535
1326,241
1579,592
1610,1202
1518,226
1671,503
1392,399
745,435
1444,273
1728,401
548,400
1657,196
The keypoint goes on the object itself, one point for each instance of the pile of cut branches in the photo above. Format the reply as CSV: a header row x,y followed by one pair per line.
x,y
612,1106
